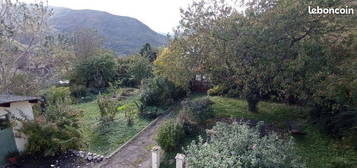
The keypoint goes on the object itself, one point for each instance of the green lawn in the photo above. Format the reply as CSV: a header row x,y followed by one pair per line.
x,y
319,150
105,139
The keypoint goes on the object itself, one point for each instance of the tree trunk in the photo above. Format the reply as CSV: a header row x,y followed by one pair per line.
x,y
252,104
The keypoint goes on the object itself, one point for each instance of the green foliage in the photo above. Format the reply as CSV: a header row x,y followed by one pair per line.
x,y
78,90
57,95
148,53
130,112
218,90
159,91
54,132
152,112
106,138
194,113
170,135
133,69
96,72
107,108
238,145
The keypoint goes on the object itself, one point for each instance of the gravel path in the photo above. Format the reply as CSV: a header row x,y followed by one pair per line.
x,y
137,153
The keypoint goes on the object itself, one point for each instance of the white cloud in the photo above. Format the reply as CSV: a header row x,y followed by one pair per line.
x,y
160,15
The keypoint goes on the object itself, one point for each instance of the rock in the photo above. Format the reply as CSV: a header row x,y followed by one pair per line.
x,y
89,158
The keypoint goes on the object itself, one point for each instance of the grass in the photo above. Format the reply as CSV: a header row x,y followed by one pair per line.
x,y
319,150
104,139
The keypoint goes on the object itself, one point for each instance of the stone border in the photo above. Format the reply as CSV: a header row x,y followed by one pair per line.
x,y
134,137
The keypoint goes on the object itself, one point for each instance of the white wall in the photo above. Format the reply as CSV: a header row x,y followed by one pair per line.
x,y
15,108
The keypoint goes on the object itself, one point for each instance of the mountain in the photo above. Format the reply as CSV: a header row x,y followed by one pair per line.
x,y
124,35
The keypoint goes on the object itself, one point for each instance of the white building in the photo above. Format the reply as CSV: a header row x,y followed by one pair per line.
x,y
13,109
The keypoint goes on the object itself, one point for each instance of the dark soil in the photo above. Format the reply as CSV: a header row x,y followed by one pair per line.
x,y
66,160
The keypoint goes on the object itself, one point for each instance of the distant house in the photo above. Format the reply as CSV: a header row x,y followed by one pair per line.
x,y
12,109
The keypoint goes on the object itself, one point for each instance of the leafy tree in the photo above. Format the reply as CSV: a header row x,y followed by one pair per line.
x,y
31,54
253,50
133,69
148,52
97,72
173,66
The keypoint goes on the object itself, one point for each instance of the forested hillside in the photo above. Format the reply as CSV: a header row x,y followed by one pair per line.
x,y
124,35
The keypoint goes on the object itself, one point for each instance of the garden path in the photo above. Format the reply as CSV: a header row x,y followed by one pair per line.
x,y
137,153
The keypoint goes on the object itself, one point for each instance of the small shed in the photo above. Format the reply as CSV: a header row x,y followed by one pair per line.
x,y
12,110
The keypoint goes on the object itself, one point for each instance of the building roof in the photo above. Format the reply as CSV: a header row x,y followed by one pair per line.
x,y
12,98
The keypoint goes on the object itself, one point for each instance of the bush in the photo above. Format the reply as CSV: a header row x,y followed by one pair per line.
x,y
225,89
130,112
107,108
238,145
56,95
217,90
54,132
170,135
335,103
193,114
96,72
196,111
78,91
159,91
150,112
132,70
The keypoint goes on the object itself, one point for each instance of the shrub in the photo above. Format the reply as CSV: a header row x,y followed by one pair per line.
x,y
96,72
193,114
217,90
238,145
56,95
107,108
159,91
152,112
335,103
130,112
78,90
54,132
132,70
170,135
196,111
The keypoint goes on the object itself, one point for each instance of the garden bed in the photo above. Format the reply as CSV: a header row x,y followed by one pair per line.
x,y
104,139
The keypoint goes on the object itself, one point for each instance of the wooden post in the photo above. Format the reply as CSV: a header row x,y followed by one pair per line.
x,y
155,156
180,160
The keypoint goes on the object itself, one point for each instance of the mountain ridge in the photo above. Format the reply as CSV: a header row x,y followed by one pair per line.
x,y
123,34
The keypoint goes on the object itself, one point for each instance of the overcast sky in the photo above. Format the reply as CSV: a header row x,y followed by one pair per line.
x,y
160,15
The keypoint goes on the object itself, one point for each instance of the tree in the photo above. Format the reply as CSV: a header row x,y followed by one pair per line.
x,y
22,28
148,52
31,54
97,72
253,49
171,65
133,69
87,44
